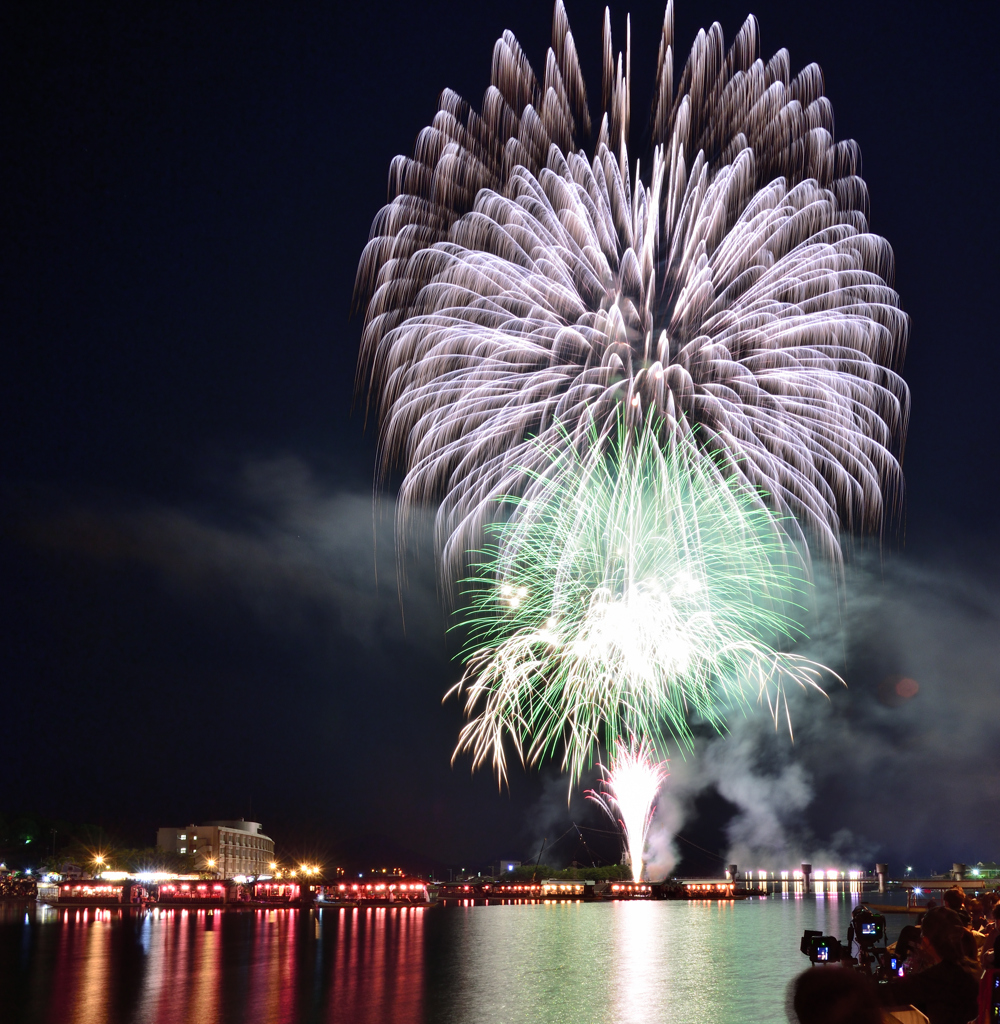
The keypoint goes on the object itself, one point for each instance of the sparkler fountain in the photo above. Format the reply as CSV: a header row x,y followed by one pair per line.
x,y
629,785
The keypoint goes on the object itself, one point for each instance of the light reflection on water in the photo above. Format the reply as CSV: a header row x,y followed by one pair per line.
x,y
670,962
676,963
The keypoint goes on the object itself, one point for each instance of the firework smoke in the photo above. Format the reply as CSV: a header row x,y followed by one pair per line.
x,y
518,286
628,788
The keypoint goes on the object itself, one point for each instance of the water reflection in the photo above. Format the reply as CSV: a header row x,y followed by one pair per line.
x,y
86,966
726,962
642,963
616,963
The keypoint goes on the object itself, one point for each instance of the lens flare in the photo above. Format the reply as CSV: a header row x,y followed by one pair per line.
x,y
628,788
637,590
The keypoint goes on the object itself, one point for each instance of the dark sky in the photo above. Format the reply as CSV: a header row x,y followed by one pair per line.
x,y
190,619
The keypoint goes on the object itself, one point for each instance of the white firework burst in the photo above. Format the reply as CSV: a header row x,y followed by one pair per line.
x,y
627,793
521,288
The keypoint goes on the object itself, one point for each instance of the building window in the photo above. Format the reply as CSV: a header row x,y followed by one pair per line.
x,y
182,837
184,849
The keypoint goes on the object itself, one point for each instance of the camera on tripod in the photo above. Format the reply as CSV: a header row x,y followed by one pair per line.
x,y
867,928
866,934
820,948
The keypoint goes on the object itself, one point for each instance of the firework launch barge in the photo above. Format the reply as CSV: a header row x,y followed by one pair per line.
x,y
558,889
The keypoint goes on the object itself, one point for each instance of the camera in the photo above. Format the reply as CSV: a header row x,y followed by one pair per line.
x,y
820,948
867,928
866,936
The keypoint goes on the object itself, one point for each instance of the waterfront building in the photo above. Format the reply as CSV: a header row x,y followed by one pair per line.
x,y
224,849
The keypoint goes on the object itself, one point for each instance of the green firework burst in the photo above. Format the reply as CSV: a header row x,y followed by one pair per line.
x,y
639,592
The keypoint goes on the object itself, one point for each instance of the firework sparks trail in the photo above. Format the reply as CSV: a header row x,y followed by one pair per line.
x,y
628,789
518,286
636,590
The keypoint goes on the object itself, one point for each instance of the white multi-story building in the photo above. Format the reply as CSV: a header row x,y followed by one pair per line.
x,y
224,848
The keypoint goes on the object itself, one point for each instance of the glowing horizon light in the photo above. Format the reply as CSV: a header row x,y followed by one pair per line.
x,y
654,590
630,784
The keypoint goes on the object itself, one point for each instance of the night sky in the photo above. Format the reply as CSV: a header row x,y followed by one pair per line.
x,y
191,626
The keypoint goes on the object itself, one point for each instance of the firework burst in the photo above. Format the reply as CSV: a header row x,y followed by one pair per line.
x,y
524,283
637,589
627,791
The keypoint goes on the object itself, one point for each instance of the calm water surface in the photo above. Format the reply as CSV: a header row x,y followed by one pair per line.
x,y
679,963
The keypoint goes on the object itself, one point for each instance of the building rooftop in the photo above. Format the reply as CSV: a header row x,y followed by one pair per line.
x,y
253,827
